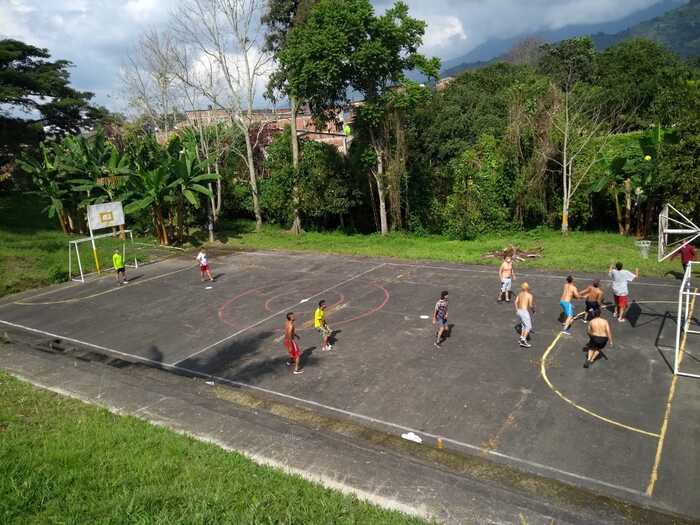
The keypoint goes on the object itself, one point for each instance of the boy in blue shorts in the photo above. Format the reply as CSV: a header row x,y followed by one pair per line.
x,y
569,294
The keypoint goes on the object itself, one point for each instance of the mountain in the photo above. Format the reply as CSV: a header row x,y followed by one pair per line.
x,y
678,30
659,19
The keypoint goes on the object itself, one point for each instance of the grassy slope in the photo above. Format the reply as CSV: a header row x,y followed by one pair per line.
x,y
34,252
577,252
62,461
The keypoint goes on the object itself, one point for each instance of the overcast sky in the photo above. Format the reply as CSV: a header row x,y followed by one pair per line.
x,y
96,34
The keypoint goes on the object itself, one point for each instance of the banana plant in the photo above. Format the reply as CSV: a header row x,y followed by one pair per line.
x,y
153,186
188,174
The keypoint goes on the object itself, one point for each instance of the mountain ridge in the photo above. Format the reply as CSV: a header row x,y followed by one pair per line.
x,y
674,24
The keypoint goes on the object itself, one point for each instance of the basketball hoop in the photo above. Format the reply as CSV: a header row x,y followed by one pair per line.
x,y
644,247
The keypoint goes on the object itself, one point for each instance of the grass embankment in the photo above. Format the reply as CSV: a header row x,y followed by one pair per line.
x,y
34,252
576,252
62,461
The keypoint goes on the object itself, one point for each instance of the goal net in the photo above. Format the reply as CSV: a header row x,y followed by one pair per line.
x,y
83,261
686,359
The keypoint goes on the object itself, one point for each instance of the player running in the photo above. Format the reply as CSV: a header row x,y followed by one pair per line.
x,y
594,299
687,255
524,304
507,275
119,267
290,334
204,265
620,278
569,294
322,327
600,335
440,317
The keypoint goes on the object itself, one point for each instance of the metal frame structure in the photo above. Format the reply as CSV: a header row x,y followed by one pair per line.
x,y
682,226
74,245
686,306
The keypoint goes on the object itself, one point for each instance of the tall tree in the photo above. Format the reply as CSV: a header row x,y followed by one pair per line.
x,y
280,18
379,63
223,58
37,99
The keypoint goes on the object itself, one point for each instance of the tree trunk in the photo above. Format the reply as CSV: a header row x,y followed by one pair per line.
x,y
253,182
63,222
628,206
381,193
180,221
296,222
618,213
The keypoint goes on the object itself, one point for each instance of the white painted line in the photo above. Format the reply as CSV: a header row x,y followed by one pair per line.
x,y
209,288
271,316
475,448
494,271
305,300
425,317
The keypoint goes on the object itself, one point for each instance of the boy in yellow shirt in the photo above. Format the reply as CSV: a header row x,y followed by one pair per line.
x,y
322,327
118,262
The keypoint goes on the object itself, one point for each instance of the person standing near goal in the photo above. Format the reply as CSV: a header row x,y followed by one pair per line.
x,y
119,267
686,253
620,278
204,264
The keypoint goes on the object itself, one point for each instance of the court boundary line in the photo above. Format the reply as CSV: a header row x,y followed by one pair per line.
x,y
273,315
532,464
654,475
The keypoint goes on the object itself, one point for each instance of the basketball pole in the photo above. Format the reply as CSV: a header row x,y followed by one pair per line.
x,y
94,248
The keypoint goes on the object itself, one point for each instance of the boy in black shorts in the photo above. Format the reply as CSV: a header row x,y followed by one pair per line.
x,y
600,335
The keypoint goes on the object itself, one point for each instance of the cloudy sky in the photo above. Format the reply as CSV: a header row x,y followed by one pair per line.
x,y
96,34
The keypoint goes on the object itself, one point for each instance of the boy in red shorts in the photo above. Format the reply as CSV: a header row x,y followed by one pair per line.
x,y
290,334
203,264
620,278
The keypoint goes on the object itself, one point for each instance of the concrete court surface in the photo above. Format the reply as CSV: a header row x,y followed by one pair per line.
x,y
624,427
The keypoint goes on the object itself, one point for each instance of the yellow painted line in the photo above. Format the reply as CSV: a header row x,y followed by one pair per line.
x,y
543,373
111,290
671,393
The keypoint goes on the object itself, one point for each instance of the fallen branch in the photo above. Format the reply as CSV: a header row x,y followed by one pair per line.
x,y
515,253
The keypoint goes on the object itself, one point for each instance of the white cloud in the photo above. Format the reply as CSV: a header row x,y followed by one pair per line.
x,y
96,34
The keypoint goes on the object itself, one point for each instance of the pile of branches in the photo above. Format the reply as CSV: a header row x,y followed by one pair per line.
x,y
515,253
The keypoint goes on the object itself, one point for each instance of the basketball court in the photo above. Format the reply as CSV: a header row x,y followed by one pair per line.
x,y
626,427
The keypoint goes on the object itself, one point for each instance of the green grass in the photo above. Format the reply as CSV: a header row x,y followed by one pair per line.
x,y
576,252
62,461
34,252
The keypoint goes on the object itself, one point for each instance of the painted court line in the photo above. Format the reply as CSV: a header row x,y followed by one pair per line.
x,y
654,476
26,302
543,373
271,316
468,446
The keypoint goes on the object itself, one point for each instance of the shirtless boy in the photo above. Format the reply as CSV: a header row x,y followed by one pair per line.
x,y
569,294
524,304
506,274
594,299
600,335
290,334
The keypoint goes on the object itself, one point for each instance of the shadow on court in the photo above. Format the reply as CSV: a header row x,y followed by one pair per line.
x,y
598,427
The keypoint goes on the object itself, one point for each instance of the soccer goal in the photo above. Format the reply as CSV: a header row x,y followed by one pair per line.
x,y
687,324
675,230
82,263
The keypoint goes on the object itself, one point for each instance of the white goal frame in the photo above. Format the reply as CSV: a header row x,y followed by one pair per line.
x,y
73,245
680,226
686,306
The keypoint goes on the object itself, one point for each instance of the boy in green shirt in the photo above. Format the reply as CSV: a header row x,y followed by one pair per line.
x,y
118,262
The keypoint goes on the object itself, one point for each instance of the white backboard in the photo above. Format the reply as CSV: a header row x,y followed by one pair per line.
x,y
105,215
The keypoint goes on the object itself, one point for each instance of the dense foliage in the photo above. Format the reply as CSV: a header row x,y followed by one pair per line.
x,y
569,138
